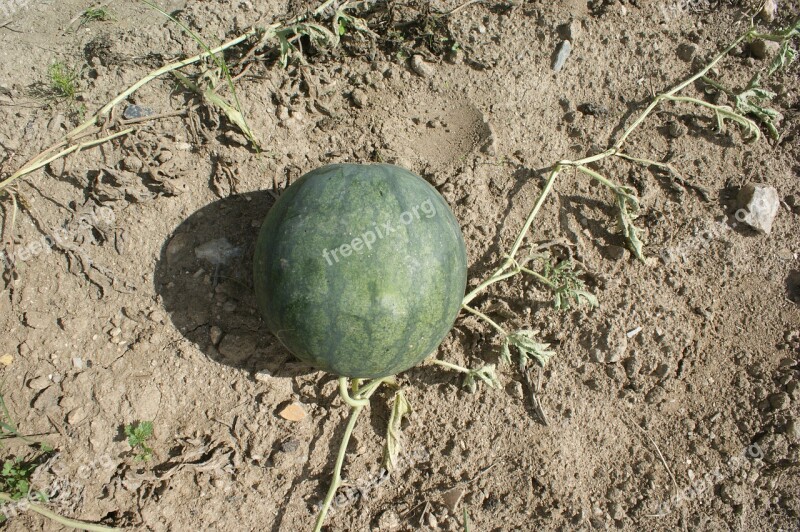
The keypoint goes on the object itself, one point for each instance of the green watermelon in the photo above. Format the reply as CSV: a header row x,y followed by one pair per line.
x,y
359,270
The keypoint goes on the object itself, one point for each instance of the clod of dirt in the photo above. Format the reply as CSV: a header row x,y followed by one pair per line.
x,y
137,111
757,207
686,51
420,67
761,49
768,11
389,520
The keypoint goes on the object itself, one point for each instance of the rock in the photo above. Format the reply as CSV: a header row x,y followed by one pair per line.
x,y
420,67
6,360
686,51
675,129
76,416
761,49
218,252
758,206
48,399
77,362
236,347
455,57
768,11
137,111
164,156
616,253
39,383
562,54
177,247
293,412
515,390
215,335
571,31
359,98
389,520
452,497
779,401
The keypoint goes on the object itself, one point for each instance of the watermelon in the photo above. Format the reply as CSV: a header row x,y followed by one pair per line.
x,y
360,270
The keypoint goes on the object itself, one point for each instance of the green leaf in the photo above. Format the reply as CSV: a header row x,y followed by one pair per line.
x,y
486,374
394,442
627,210
525,342
785,56
505,352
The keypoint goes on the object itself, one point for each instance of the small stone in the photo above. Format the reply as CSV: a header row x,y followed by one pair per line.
x,y
616,253
165,156
39,383
779,401
452,497
598,356
686,51
389,520
761,49
263,375
662,370
420,67
137,111
455,57
6,360
562,54
76,416
215,335
77,362
432,521
570,31
515,390
290,446
293,412
359,98
768,11
116,331
758,206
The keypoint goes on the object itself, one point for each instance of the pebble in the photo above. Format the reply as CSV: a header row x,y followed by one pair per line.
x,y
293,412
515,390
757,207
616,253
768,11
6,360
76,416
164,156
132,164
675,129
359,98
137,111
77,363
562,54
39,383
420,67
389,520
215,335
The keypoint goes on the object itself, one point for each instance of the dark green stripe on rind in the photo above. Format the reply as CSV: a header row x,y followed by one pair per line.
x,y
374,313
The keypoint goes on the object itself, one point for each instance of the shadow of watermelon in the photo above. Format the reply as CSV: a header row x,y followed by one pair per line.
x,y
204,277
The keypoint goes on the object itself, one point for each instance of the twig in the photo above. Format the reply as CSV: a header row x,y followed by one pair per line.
x,y
658,451
462,6
73,523
537,405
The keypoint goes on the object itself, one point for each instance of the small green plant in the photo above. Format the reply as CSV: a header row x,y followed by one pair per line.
x,y
15,477
138,434
62,81
96,14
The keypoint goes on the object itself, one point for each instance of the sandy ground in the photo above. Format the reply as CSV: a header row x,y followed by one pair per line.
x,y
674,405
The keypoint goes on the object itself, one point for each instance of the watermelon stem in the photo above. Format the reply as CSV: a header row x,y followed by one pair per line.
x,y
485,318
356,402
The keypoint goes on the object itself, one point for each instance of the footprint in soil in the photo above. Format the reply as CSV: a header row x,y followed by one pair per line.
x,y
204,276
